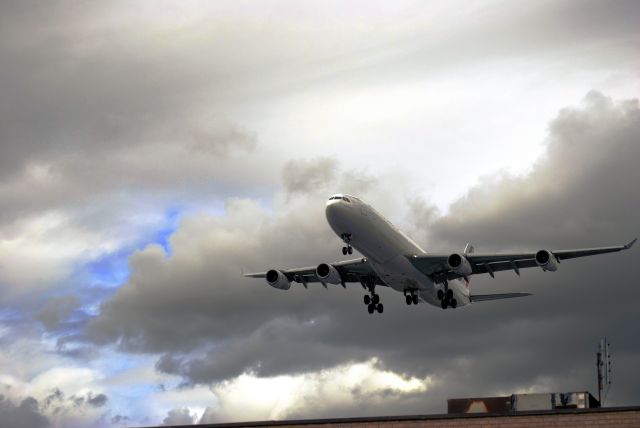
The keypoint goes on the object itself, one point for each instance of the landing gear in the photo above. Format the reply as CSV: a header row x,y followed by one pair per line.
x,y
373,303
446,303
375,307
446,297
411,298
372,300
347,249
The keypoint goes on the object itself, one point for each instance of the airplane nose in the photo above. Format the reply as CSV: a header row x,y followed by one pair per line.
x,y
334,207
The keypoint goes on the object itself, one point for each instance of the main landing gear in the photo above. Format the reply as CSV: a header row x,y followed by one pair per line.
x,y
372,300
411,298
347,249
446,297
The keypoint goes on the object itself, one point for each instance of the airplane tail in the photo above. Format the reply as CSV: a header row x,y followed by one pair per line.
x,y
468,249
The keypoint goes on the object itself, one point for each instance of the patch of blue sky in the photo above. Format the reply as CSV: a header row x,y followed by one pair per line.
x,y
163,235
115,362
112,269
10,315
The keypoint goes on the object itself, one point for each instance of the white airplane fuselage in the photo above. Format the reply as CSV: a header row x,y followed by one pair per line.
x,y
386,248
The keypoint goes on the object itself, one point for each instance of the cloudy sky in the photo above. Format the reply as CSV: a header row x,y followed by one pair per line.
x,y
151,150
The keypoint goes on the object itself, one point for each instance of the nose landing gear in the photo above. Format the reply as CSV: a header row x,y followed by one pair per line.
x,y
347,249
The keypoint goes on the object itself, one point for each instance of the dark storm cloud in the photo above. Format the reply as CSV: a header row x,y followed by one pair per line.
x,y
98,400
57,402
26,414
280,343
210,324
582,190
57,310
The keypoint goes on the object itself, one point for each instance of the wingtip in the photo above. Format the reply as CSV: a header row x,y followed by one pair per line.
x,y
630,244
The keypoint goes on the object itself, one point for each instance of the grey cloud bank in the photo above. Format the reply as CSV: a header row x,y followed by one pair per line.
x,y
26,414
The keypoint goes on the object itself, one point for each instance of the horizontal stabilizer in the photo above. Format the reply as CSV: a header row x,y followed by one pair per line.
x,y
485,297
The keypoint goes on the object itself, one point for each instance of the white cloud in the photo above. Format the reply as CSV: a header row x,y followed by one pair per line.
x,y
63,394
42,249
248,397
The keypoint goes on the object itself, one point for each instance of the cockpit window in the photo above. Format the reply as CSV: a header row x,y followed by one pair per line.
x,y
346,199
335,197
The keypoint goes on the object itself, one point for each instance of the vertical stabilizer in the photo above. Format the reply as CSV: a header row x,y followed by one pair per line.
x,y
468,249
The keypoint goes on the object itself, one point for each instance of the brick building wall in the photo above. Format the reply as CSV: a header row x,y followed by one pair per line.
x,y
605,417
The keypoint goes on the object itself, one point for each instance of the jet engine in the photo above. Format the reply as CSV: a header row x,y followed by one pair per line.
x,y
277,279
459,264
546,260
327,273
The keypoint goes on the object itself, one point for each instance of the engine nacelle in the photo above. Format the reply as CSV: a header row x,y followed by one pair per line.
x,y
328,274
278,280
459,264
546,260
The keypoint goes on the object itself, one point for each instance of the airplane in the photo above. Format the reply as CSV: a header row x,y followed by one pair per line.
x,y
392,259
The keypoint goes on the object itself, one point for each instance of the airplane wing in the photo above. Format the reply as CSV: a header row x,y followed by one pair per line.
x,y
486,297
355,270
436,266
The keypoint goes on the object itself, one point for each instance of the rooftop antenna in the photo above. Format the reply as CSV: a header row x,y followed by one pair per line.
x,y
603,364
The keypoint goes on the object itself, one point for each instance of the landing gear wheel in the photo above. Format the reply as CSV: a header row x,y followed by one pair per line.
x,y
371,308
375,299
414,299
408,299
367,299
440,294
346,238
449,294
380,308
453,303
444,303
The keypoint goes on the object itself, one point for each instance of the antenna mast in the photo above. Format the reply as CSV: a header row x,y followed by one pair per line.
x,y
603,364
